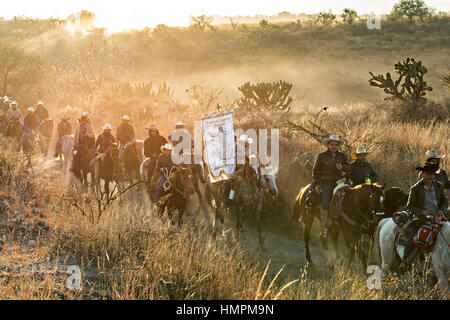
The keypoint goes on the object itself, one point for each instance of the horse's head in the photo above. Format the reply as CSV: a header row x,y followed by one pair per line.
x,y
395,198
185,180
372,194
268,180
113,151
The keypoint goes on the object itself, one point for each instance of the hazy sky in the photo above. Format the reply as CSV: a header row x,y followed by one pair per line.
x,y
117,15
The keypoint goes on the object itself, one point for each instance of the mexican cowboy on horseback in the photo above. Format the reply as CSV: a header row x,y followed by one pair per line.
x,y
427,199
12,115
125,132
180,126
41,111
164,166
328,168
361,171
64,128
104,140
433,157
152,148
83,130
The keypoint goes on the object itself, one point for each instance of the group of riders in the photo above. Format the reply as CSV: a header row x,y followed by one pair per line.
x,y
427,198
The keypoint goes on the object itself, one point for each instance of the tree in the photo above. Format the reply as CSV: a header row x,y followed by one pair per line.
x,y
349,15
202,21
413,87
326,18
265,96
411,9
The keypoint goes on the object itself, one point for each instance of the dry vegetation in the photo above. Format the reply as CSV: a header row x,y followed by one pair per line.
x,y
129,253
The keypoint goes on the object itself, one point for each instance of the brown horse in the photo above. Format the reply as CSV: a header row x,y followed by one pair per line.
x,y
46,131
82,156
107,169
131,160
248,198
176,197
15,130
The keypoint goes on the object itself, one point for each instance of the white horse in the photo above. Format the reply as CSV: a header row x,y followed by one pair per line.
x,y
66,151
384,251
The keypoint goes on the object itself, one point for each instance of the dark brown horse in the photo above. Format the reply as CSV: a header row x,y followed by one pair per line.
x,y
177,196
131,161
394,200
15,130
82,156
46,130
107,168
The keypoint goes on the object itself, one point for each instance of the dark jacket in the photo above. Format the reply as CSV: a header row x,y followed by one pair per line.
x,y
359,171
104,140
125,133
325,170
163,161
152,145
31,122
42,113
64,128
416,200
442,177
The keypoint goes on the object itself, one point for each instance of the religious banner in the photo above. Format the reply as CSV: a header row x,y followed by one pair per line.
x,y
220,151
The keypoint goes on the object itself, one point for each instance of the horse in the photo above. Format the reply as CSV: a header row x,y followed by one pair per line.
x,y
394,199
181,183
248,198
46,131
82,156
65,153
15,130
131,159
107,168
196,164
32,143
386,255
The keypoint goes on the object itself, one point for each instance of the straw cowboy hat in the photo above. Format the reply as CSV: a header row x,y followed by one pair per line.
x,y
167,147
429,167
84,114
333,137
433,154
359,150
31,109
126,117
39,103
246,139
107,127
179,124
13,102
152,127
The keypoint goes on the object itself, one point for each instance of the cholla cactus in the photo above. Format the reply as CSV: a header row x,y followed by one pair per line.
x,y
413,87
265,96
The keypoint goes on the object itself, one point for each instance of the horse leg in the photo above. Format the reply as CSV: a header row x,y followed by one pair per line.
x,y
334,232
259,224
308,219
200,198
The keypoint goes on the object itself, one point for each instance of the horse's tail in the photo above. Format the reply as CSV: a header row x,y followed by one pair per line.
x,y
376,250
296,212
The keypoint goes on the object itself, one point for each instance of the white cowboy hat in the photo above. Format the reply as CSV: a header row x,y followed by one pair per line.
x,y
359,150
152,127
39,103
246,139
167,146
126,117
433,154
85,114
107,127
13,102
179,124
333,137
5,98
31,109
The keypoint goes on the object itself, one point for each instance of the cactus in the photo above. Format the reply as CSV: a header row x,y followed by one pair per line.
x,y
326,18
266,96
413,88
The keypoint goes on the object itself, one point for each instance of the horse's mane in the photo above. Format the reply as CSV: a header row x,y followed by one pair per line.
x,y
360,186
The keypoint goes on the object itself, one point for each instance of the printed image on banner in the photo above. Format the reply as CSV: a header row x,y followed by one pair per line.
x,y
218,134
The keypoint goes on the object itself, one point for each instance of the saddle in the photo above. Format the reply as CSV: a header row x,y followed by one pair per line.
x,y
337,199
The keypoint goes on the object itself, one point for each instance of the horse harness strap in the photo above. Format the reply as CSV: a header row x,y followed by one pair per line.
x,y
348,219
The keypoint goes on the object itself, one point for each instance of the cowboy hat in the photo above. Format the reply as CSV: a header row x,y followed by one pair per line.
x,y
167,147
107,126
85,114
429,167
179,124
245,138
433,154
152,127
5,98
126,117
359,150
39,103
13,102
333,137
31,109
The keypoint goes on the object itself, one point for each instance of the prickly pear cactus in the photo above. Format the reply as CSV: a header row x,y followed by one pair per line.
x,y
265,96
410,86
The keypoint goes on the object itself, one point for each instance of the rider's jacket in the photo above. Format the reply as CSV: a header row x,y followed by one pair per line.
x,y
42,113
64,128
12,114
152,145
82,130
325,170
359,171
164,161
416,200
125,133
104,140
31,122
